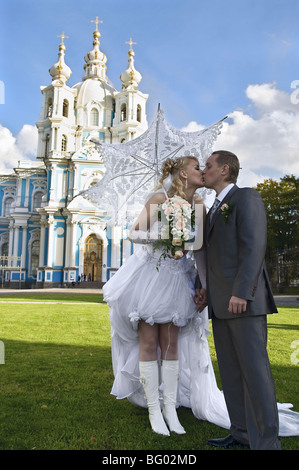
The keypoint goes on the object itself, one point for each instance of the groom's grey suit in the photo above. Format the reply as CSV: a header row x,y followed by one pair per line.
x,y
235,267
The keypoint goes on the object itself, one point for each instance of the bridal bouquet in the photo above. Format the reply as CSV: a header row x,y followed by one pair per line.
x,y
177,220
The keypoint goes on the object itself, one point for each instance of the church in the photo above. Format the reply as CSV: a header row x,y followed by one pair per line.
x,y
48,237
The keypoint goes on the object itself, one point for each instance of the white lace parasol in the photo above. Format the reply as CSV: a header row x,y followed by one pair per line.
x,y
133,168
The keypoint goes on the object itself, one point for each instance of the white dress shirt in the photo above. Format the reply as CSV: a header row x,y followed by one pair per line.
x,y
224,192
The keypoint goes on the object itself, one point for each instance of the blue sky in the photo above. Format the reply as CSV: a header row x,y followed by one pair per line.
x,y
201,59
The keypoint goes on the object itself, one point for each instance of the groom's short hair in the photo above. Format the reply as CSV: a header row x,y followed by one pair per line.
x,y
224,157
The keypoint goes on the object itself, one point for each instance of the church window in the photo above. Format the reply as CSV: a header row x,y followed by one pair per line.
x,y
7,206
50,107
4,249
34,257
123,112
47,145
65,108
138,113
4,252
37,200
63,143
94,117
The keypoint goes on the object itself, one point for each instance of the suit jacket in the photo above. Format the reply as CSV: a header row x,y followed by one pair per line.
x,y
235,255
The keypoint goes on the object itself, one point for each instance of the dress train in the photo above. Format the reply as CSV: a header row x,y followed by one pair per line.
x,y
131,295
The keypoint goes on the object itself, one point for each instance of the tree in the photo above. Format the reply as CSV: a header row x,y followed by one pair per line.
x,y
281,199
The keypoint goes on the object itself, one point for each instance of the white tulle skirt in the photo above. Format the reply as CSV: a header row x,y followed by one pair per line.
x,y
161,291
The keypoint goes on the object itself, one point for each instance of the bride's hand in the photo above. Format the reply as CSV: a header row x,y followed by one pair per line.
x,y
200,299
177,254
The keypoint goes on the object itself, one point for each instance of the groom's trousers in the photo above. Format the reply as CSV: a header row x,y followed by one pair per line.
x,y
248,386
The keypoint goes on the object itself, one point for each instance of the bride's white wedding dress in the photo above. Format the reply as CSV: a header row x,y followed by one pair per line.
x,y
139,290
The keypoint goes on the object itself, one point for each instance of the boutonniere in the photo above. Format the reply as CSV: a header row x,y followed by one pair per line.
x,y
225,209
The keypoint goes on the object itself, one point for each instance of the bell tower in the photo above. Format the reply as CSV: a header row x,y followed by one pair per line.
x,y
130,117
56,123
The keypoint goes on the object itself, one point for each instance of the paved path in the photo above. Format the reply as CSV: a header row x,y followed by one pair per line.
x,y
287,300
51,291
64,302
18,292
281,300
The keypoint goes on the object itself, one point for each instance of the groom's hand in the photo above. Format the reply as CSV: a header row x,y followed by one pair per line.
x,y
200,299
237,305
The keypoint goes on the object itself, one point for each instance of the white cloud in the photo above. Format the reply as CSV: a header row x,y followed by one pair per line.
x,y
193,126
266,140
267,98
267,145
27,140
23,146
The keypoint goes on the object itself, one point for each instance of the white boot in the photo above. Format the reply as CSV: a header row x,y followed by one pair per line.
x,y
170,375
149,377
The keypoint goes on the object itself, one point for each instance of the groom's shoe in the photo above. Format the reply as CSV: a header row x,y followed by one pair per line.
x,y
226,442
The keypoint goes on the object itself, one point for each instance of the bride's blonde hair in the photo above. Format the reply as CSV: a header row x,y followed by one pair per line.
x,y
173,167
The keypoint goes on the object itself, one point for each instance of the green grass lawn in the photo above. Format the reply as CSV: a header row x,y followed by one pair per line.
x,y
49,297
56,380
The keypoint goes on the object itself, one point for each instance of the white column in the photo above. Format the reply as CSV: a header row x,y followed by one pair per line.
x,y
10,244
24,247
50,240
42,242
68,242
53,180
81,256
75,180
19,193
26,203
115,247
73,227
16,244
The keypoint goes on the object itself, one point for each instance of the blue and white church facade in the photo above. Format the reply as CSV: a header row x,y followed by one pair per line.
x,y
47,236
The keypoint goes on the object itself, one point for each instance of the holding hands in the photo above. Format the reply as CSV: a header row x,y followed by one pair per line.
x,y
236,304
200,299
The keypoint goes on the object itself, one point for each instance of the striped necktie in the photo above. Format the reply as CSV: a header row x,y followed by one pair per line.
x,y
214,207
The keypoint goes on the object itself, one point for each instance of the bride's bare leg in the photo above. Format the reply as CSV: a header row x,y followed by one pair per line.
x,y
168,339
148,341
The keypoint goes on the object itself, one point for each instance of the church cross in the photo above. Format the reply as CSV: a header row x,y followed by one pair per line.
x,y
62,36
131,43
96,21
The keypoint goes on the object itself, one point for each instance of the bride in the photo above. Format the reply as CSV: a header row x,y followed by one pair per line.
x,y
159,345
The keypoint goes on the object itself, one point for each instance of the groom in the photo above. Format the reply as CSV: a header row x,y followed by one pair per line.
x,y
239,299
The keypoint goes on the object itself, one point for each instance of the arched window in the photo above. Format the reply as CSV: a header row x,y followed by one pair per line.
x,y
4,249
34,257
7,206
138,113
65,108
4,252
37,200
94,117
63,143
123,112
50,107
47,142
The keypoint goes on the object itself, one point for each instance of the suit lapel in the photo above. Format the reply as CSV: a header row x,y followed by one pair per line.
x,y
210,223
